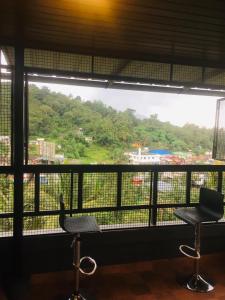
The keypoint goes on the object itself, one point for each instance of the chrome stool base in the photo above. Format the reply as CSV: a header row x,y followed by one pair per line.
x,y
199,284
77,297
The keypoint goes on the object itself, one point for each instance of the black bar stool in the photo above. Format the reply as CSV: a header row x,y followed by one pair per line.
x,y
210,209
77,226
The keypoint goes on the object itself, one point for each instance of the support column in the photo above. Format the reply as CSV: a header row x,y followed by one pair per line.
x,y
18,150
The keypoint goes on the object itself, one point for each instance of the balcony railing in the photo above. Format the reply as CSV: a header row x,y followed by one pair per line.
x,y
119,196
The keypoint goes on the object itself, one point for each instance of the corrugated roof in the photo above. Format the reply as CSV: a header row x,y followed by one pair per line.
x,y
186,31
172,45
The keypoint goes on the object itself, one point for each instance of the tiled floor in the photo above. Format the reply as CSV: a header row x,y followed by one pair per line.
x,y
150,280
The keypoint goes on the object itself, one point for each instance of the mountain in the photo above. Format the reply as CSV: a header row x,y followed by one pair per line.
x,y
72,123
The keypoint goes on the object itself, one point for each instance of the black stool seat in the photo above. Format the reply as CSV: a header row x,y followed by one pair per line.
x,y
83,224
77,226
209,209
195,215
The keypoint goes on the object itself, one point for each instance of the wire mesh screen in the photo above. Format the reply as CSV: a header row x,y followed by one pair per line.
x,y
214,76
8,55
41,193
6,203
52,185
121,219
171,188
28,191
203,179
5,114
99,190
219,132
187,73
108,66
53,60
146,70
92,70
165,216
136,188
34,225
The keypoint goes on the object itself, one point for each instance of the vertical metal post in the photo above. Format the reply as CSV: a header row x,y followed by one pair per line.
x,y
26,119
171,72
155,198
18,137
71,192
80,190
76,265
119,189
197,249
188,188
37,192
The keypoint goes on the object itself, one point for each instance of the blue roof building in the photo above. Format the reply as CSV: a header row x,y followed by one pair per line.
x,y
160,152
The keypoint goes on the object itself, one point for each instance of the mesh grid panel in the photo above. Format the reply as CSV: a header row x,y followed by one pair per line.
x,y
99,190
223,192
165,216
52,185
203,179
171,188
122,68
121,219
28,191
108,66
6,203
41,225
136,188
187,73
219,140
147,70
6,193
215,76
57,60
6,227
5,120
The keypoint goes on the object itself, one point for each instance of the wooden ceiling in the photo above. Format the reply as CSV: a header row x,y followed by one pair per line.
x,y
173,31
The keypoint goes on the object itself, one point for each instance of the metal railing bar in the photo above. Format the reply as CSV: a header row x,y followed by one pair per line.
x,y
37,192
105,209
188,188
121,168
7,170
6,215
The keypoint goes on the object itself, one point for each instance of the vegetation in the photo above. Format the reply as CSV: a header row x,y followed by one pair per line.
x,y
69,122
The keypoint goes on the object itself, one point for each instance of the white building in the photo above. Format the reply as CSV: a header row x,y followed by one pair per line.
x,y
139,158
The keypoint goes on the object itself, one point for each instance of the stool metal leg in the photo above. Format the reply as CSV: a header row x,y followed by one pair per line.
x,y
76,264
196,283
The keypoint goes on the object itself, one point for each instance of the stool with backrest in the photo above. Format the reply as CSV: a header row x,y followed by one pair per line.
x,y
77,226
209,209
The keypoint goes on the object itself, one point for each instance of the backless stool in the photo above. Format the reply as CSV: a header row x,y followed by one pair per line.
x,y
209,209
77,226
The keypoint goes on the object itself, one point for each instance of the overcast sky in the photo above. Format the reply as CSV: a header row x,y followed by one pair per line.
x,y
175,108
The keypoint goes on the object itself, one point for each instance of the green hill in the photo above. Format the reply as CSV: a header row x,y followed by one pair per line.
x,y
93,132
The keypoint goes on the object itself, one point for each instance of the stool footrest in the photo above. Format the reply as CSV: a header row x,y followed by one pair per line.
x,y
93,264
189,252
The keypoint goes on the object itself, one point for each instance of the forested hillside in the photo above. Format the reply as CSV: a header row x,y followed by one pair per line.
x,y
69,122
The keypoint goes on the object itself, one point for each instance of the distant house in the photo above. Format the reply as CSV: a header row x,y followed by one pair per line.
x,y
136,158
147,157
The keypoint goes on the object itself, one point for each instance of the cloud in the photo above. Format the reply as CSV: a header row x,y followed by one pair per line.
x,y
178,109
